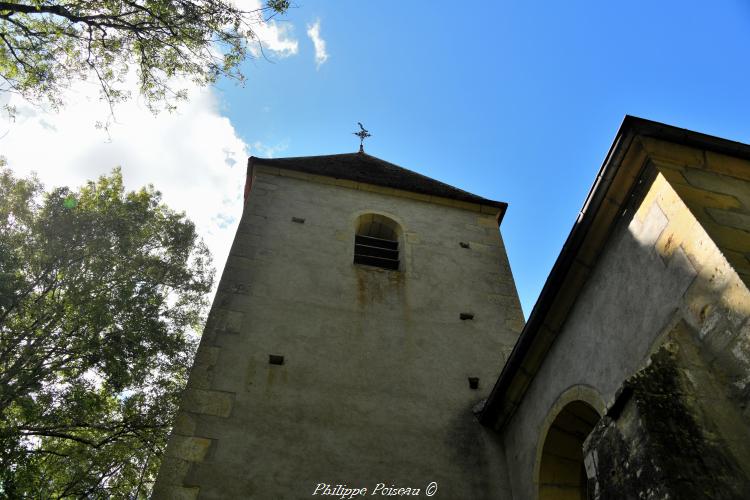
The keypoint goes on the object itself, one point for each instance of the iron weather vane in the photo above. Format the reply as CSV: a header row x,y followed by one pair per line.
x,y
362,134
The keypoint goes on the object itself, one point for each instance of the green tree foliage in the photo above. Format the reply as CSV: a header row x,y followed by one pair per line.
x,y
101,291
47,44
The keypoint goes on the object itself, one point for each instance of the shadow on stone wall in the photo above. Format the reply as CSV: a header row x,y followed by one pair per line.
x,y
674,431
680,426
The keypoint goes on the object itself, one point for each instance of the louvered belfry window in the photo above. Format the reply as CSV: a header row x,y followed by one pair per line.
x,y
376,242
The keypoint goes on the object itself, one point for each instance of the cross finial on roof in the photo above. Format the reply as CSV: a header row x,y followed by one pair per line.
x,y
362,134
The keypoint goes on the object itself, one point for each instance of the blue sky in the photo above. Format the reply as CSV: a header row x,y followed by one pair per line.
x,y
514,101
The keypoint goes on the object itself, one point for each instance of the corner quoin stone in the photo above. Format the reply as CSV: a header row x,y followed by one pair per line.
x,y
215,403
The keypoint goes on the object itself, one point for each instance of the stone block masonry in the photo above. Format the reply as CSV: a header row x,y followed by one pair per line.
x,y
373,386
671,433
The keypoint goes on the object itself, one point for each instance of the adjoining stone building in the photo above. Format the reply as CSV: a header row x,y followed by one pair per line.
x,y
366,311
640,334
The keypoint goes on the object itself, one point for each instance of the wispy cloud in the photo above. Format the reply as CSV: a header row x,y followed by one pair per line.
x,y
271,37
269,151
275,37
313,31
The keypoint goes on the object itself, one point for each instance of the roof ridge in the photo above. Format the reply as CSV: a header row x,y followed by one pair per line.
x,y
313,156
369,169
421,175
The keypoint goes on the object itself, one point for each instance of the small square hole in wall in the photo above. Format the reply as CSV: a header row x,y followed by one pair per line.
x,y
465,316
275,359
473,382
298,220
463,244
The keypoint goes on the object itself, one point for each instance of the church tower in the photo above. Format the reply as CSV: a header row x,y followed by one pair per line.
x,y
364,312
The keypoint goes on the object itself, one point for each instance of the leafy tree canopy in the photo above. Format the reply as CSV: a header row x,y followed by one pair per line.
x,y
99,291
47,44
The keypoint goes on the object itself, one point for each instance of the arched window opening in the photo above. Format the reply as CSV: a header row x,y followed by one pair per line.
x,y
562,474
376,242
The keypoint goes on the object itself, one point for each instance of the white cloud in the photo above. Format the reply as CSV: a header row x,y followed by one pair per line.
x,y
272,36
276,38
313,31
193,156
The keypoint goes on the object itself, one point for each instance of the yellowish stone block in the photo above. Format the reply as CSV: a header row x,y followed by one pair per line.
x,y
670,152
191,449
487,222
728,165
216,403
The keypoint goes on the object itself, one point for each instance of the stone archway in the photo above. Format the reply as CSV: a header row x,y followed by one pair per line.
x,y
562,475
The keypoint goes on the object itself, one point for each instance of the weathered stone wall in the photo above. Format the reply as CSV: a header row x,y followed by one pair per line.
x,y
673,432
374,386
716,188
659,267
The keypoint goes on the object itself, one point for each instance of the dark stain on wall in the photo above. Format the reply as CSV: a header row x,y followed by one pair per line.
x,y
662,438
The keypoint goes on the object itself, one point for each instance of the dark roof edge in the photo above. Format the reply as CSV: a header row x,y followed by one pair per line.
x,y
463,196
556,276
630,128
686,137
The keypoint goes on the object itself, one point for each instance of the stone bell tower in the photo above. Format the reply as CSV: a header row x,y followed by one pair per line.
x,y
363,312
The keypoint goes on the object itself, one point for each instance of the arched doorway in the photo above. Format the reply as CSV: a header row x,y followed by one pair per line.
x,y
562,475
